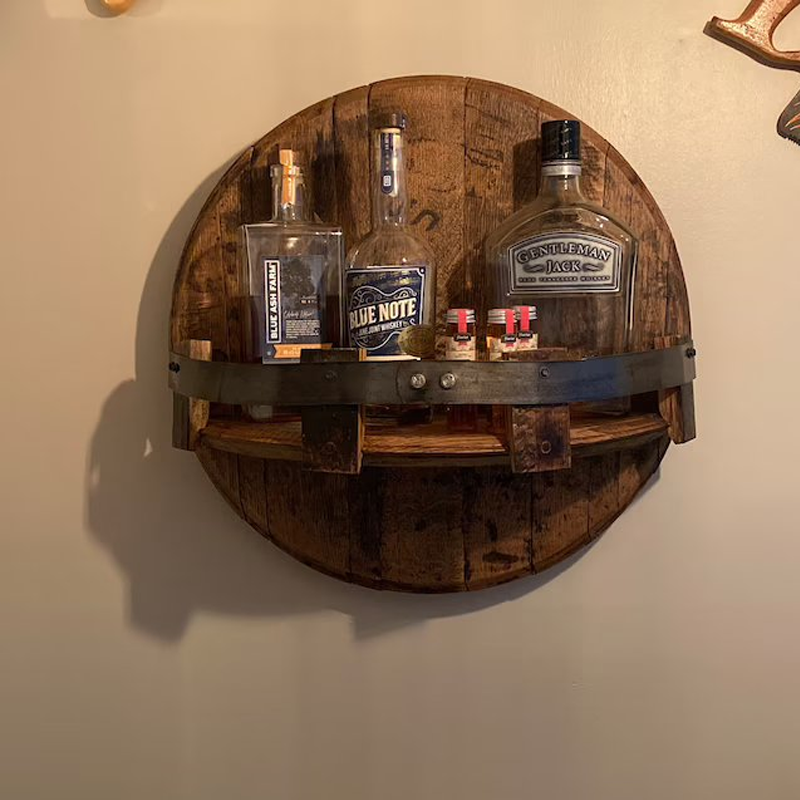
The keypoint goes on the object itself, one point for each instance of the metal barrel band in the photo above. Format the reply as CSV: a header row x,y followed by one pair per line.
x,y
433,382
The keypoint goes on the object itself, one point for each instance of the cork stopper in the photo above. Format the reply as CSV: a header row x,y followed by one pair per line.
x,y
287,157
291,173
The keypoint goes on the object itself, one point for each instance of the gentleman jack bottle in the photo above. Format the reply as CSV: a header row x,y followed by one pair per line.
x,y
573,260
390,281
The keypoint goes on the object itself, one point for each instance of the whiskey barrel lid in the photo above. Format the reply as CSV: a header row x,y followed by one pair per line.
x,y
473,151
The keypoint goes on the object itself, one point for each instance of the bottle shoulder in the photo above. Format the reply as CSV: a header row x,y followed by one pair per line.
x,y
545,216
390,246
291,227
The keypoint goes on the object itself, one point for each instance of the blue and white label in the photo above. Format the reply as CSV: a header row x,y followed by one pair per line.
x,y
294,293
381,303
565,263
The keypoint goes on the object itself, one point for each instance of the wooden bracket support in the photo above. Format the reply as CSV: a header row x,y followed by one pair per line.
x,y
189,416
539,436
676,405
333,436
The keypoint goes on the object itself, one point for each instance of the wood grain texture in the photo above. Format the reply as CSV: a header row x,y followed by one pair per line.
x,y
539,438
253,492
308,515
422,543
223,470
497,527
676,405
431,445
189,415
333,436
473,158
501,173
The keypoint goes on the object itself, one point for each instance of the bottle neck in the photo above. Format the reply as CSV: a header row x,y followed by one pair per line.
x,y
288,195
561,181
389,181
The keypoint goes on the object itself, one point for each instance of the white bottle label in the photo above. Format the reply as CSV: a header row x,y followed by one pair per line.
x,y
565,263
460,347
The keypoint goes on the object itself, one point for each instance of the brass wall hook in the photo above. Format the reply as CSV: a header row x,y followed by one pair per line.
x,y
118,6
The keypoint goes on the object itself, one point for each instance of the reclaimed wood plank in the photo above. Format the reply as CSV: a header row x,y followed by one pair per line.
x,y
636,467
539,438
308,515
422,544
603,492
253,492
223,470
497,526
366,505
189,415
560,514
283,440
333,435
501,174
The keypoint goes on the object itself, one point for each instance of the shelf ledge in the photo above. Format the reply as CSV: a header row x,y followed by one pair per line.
x,y
429,445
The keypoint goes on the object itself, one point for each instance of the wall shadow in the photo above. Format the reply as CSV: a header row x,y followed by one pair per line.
x,y
179,547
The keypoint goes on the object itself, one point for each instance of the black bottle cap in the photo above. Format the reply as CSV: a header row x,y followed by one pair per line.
x,y
561,140
390,119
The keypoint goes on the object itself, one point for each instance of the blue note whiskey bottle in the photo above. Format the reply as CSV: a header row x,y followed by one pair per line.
x,y
390,280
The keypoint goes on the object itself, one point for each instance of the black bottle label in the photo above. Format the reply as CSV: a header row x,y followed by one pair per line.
x,y
381,303
565,263
293,288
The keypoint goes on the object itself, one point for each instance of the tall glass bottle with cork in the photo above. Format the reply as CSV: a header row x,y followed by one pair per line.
x,y
293,268
570,258
390,279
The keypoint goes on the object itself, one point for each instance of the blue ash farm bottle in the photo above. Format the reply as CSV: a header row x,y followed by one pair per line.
x,y
292,264
390,279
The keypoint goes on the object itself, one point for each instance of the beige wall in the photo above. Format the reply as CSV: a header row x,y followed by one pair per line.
x,y
151,646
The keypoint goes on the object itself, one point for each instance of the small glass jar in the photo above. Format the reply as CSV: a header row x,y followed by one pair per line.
x,y
501,344
461,345
501,334
527,328
460,341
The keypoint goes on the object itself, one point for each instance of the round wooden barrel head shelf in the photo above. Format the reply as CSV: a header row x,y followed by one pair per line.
x,y
429,510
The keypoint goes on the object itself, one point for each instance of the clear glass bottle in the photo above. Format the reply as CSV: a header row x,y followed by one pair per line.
x,y
390,278
572,259
293,268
